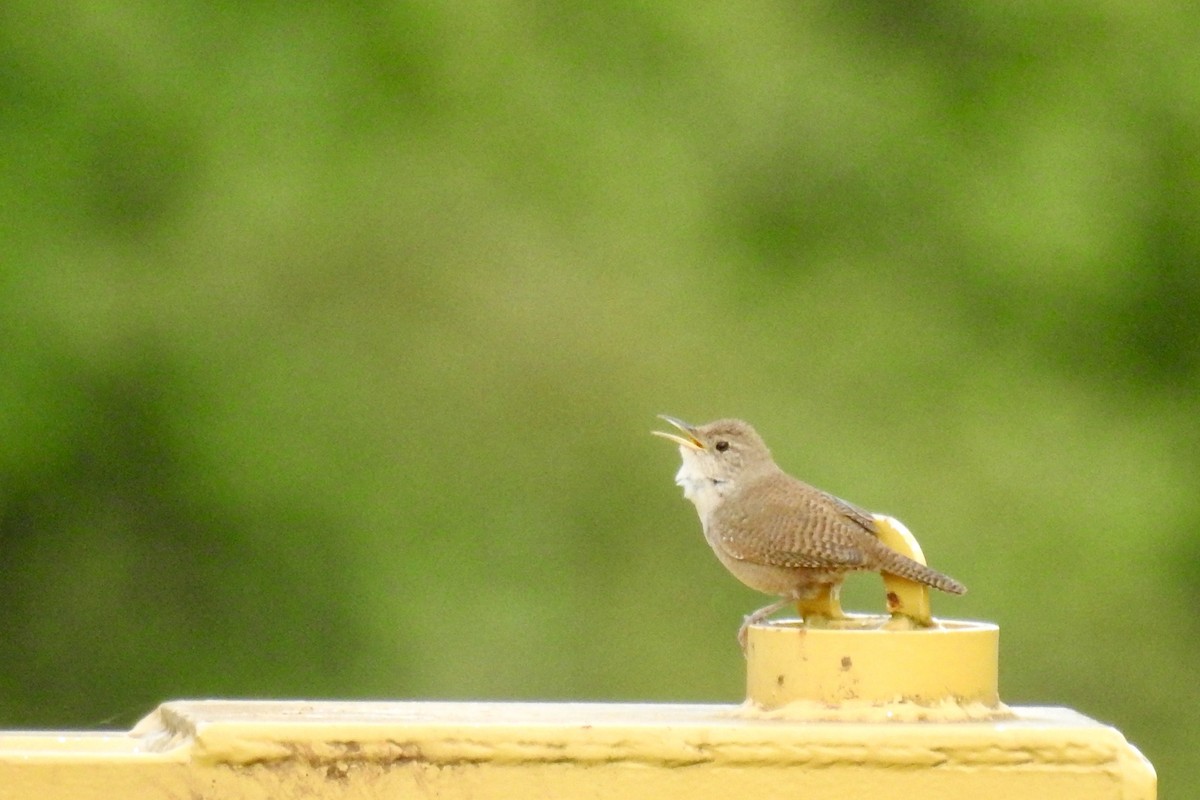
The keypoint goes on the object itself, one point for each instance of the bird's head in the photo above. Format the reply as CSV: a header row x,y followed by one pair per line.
x,y
717,452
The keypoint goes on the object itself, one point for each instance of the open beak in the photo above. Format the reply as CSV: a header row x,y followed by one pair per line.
x,y
689,440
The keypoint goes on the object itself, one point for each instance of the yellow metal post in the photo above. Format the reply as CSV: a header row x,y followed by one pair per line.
x,y
906,665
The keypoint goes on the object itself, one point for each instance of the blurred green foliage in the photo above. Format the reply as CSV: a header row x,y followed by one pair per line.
x,y
331,335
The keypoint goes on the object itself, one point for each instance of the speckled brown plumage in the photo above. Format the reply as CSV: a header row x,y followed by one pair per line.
x,y
775,533
777,520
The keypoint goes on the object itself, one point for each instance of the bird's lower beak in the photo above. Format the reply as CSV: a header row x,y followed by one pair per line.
x,y
690,441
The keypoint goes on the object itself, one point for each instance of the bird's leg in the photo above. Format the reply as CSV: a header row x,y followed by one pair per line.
x,y
820,603
759,616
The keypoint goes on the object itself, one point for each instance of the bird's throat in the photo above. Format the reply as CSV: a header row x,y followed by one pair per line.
x,y
705,492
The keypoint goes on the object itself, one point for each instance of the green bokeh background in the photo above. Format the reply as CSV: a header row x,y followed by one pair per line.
x,y
331,335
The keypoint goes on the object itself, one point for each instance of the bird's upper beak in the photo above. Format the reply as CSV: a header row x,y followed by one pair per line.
x,y
689,441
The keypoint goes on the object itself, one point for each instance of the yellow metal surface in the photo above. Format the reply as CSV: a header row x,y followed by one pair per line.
x,y
822,607
243,749
906,600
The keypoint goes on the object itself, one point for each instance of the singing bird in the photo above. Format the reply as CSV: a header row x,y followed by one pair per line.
x,y
775,533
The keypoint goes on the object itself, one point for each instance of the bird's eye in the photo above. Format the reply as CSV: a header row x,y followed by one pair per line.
x,y
722,446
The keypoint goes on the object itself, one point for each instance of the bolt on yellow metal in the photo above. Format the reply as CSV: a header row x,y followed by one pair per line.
x,y
848,707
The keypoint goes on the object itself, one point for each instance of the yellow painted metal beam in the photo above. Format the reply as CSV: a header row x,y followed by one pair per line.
x,y
267,749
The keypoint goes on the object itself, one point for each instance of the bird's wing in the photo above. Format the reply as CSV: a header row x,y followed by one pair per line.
x,y
860,517
795,525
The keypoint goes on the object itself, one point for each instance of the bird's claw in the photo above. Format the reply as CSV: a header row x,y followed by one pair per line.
x,y
747,621
757,617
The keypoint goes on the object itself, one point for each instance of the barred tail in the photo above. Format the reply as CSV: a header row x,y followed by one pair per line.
x,y
905,567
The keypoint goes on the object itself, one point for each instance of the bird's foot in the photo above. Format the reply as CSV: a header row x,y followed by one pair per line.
x,y
757,617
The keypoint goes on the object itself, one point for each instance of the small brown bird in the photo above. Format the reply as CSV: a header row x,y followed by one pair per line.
x,y
775,533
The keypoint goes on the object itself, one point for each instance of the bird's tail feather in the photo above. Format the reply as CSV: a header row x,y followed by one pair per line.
x,y
905,567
